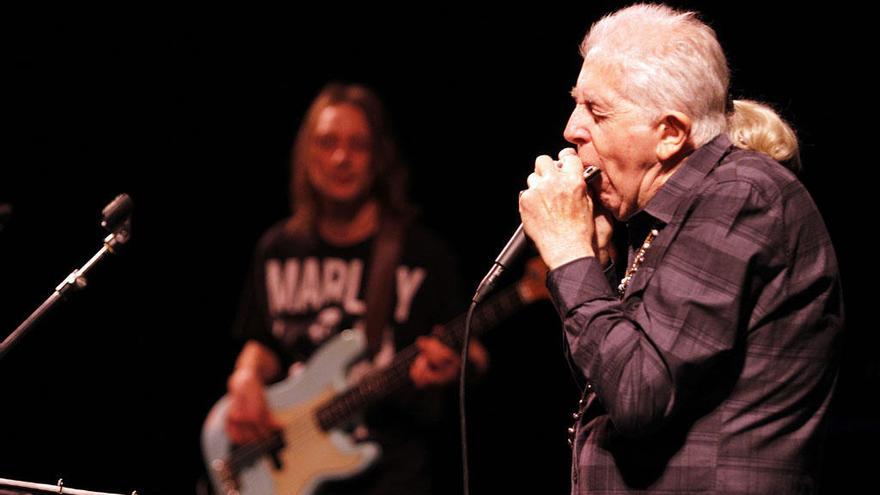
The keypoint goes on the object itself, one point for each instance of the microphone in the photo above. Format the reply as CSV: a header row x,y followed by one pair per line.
x,y
512,250
117,212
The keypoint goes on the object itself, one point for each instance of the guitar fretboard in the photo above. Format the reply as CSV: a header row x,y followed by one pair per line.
x,y
381,383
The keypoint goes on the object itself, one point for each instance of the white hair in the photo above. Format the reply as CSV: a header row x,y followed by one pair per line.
x,y
664,59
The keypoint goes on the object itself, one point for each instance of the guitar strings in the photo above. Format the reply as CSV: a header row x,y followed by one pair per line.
x,y
296,431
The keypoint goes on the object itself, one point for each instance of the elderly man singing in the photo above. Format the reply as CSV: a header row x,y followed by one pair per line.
x,y
709,363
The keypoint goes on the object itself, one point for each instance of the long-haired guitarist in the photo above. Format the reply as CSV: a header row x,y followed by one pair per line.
x,y
350,256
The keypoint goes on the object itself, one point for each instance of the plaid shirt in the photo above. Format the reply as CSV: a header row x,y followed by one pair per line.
x,y
715,371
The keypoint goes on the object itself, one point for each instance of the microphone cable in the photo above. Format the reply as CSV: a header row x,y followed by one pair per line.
x,y
461,398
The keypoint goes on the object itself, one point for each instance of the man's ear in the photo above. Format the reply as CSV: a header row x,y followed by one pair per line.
x,y
674,129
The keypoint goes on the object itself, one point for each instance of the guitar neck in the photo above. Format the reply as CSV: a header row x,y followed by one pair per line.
x,y
381,383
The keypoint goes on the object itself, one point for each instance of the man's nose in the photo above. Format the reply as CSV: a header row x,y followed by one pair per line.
x,y
341,155
575,132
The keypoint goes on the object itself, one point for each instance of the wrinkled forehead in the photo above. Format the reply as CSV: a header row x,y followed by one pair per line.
x,y
598,82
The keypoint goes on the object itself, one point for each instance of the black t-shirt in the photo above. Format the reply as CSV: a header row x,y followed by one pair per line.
x,y
303,291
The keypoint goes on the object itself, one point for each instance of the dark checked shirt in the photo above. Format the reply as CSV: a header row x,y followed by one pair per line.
x,y
714,372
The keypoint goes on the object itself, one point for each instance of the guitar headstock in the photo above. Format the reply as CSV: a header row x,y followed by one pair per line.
x,y
532,286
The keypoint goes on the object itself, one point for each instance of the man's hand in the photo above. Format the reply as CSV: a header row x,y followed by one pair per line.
x,y
248,417
560,216
603,247
439,364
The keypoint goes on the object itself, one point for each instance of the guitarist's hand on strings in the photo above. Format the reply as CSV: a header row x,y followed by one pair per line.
x,y
439,364
249,418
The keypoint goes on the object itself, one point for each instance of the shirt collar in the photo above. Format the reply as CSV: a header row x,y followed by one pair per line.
x,y
685,180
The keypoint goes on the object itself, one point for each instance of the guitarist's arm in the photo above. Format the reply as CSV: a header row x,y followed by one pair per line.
x,y
249,418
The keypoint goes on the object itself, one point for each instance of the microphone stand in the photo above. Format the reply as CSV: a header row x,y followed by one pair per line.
x,y
116,219
18,486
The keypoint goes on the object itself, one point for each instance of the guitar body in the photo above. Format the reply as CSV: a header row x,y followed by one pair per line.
x,y
304,454
318,455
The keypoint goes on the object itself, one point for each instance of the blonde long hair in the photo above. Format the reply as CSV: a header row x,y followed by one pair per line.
x,y
754,125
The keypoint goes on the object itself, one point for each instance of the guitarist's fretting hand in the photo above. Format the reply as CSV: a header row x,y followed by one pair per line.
x,y
439,364
249,418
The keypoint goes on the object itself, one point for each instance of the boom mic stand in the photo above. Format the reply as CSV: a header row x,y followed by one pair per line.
x,y
115,218
24,487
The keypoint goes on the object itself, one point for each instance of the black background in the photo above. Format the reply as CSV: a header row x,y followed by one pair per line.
x,y
193,114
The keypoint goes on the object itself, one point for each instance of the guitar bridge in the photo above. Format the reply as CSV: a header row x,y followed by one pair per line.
x,y
245,455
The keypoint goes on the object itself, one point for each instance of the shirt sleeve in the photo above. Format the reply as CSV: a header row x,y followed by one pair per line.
x,y
253,321
657,350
